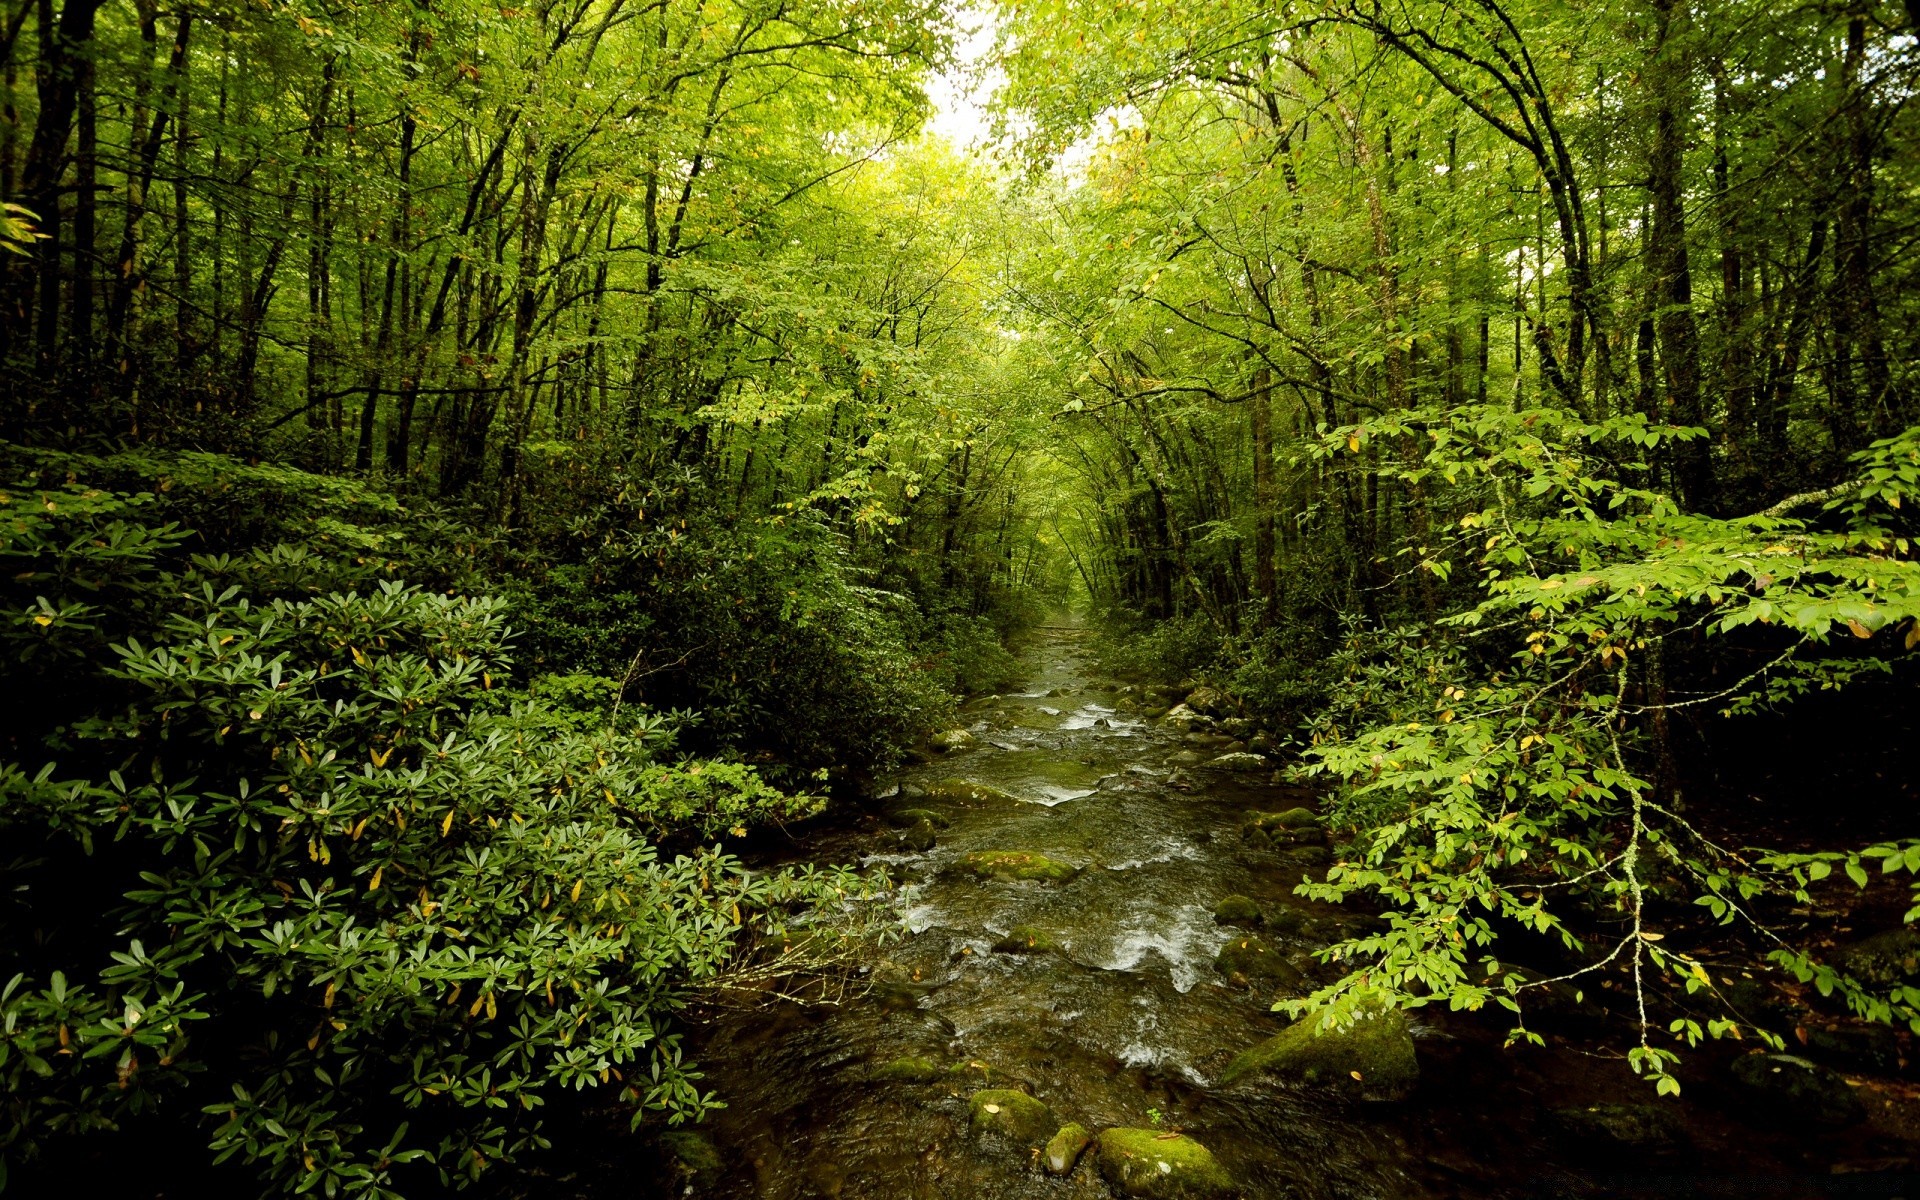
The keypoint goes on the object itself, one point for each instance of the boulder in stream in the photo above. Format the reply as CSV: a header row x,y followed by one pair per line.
x,y
1187,758
1207,701
1160,1166
1018,865
1066,1147
1249,961
1238,760
694,1155
1371,1057
909,1070
907,818
1025,939
1784,1089
1012,1114
1184,719
1605,1129
920,837
1236,910
949,740
1884,960
968,791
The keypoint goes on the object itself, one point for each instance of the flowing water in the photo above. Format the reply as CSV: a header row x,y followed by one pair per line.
x,y
1126,1023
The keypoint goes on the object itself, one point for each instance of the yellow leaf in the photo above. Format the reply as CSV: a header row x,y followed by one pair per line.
x,y
43,619
1859,630
374,885
1547,585
380,757
1353,443
575,895
447,825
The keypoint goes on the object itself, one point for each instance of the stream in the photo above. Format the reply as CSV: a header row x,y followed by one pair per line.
x,y
1125,1021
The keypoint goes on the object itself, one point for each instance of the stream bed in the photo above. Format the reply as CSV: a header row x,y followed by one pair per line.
x,y
1105,1002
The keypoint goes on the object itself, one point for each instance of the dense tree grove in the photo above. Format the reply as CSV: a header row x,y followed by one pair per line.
x,y
469,468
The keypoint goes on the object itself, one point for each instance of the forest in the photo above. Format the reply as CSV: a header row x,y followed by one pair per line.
x,y
788,598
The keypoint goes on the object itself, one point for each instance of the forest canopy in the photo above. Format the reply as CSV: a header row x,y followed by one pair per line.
x,y
470,472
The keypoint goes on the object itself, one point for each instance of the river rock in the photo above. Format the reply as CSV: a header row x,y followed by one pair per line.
x,y
907,818
1784,1089
1160,1166
949,740
1609,1128
909,1070
1250,960
1260,743
1238,760
1187,758
1208,702
1236,910
1025,939
919,837
1015,1115
1884,960
694,1155
1237,727
1066,1147
1872,1048
1288,819
1371,1058
1183,718
968,791
1018,865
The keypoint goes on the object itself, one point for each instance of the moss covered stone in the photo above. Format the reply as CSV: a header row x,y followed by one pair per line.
x,y
1066,1147
949,740
907,818
1291,818
1371,1058
909,1070
1015,1115
1236,910
1251,960
1786,1090
1160,1166
920,838
1884,960
1602,1129
968,791
1018,865
694,1155
1025,939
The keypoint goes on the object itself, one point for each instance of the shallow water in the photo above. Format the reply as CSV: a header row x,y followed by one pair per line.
x,y
1127,1022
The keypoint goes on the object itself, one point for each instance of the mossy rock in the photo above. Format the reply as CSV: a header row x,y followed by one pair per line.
x,y
1237,760
1188,758
1250,960
1292,818
694,1154
1785,1090
1871,1048
909,1070
1025,939
1065,1148
1018,865
983,1073
1012,1114
921,838
1602,1129
967,791
1160,1166
950,740
1884,960
907,818
1371,1058
1236,910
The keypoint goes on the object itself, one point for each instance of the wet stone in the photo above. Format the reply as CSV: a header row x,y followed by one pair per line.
x,y
1012,1114
1871,1048
1885,959
1251,960
1784,1089
1372,1058
1287,822
1207,701
1025,939
920,837
1187,758
909,1070
967,791
907,818
1018,865
1160,1166
1238,760
693,1155
949,740
1066,1147
1236,910
1601,1129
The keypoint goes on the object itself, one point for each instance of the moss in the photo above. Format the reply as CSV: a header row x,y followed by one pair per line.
x,y
909,1070
1025,939
1250,959
694,1154
1785,1090
1292,818
907,818
1236,910
967,791
1013,1114
1884,960
921,838
1371,1058
1160,1166
1018,865
1066,1147
949,740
